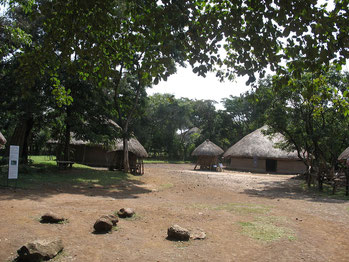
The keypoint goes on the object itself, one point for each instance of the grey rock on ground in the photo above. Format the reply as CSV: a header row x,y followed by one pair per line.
x,y
39,250
126,212
176,232
105,223
51,217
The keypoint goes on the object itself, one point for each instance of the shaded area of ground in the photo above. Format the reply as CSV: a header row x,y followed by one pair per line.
x,y
306,227
96,182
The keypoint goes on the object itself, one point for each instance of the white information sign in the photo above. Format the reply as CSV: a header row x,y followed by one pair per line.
x,y
13,162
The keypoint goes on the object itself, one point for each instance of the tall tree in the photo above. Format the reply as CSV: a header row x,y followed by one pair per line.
x,y
311,113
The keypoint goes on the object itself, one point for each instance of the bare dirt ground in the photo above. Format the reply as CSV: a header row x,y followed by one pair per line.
x,y
221,204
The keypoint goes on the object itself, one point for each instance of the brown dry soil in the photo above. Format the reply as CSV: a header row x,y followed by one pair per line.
x,y
309,228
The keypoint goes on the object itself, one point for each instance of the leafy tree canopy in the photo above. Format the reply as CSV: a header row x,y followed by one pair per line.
x,y
107,34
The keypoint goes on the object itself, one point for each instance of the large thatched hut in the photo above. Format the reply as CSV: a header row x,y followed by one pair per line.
x,y
256,152
115,157
207,155
2,140
82,152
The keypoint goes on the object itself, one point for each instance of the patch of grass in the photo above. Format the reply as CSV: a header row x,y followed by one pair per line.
x,y
267,229
65,221
327,191
135,217
60,256
165,186
50,161
43,160
43,172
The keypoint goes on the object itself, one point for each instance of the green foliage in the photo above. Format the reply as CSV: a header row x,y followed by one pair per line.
x,y
311,113
164,116
327,192
60,93
151,36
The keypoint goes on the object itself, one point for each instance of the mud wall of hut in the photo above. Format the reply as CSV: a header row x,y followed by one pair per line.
x,y
259,165
291,166
90,155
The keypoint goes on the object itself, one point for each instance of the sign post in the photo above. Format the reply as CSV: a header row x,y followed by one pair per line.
x,y
13,163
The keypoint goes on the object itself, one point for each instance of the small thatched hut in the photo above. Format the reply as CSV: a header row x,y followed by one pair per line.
x,y
136,153
257,152
207,155
2,140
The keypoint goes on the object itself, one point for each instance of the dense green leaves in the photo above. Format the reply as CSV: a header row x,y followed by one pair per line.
x,y
311,113
154,34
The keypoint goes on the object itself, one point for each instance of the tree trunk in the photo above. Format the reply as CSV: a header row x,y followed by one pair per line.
x,y
347,181
126,160
320,181
20,138
66,149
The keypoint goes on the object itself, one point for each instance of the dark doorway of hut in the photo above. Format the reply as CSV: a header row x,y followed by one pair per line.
x,y
270,165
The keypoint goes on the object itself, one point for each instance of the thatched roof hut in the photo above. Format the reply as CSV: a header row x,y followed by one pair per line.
x,y
207,148
344,155
207,154
133,146
256,144
82,151
2,139
136,153
258,152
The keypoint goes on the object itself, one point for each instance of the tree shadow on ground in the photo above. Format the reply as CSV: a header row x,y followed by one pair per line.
x,y
80,181
292,189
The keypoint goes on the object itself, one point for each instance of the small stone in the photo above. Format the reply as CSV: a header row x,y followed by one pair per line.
x,y
126,212
197,235
40,250
176,232
52,218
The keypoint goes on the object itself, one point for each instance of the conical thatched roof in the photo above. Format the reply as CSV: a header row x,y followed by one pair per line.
x,y
207,148
344,155
256,144
2,139
133,146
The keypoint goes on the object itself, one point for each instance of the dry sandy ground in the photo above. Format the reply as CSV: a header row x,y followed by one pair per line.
x,y
221,204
